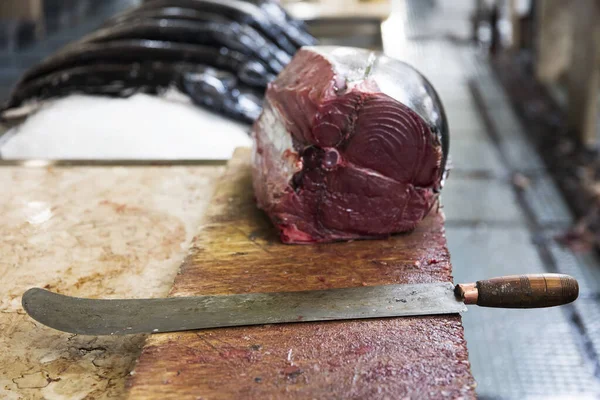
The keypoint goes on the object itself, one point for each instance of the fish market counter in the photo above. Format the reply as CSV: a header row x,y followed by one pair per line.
x,y
93,231
108,231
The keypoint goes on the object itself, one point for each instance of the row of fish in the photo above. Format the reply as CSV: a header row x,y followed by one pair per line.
x,y
221,53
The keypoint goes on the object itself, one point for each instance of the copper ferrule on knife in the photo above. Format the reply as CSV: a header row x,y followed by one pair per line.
x,y
467,292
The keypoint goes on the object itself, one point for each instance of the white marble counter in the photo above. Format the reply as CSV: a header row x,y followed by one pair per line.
x,y
94,232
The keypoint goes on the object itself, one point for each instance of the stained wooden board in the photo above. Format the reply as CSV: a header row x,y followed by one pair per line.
x,y
238,251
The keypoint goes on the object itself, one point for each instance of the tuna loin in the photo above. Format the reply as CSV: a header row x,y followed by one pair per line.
x,y
351,144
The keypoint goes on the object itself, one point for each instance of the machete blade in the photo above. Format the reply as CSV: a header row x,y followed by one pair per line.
x,y
121,317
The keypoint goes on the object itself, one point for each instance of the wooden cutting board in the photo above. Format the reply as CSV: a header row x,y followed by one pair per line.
x,y
237,251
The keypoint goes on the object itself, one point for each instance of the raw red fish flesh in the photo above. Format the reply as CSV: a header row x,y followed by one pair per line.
x,y
351,144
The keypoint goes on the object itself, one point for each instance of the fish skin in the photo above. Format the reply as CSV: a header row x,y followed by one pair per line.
x,y
231,35
237,10
175,13
294,29
249,42
250,71
221,91
207,87
93,77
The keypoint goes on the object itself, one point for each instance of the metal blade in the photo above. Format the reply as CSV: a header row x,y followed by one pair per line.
x,y
122,317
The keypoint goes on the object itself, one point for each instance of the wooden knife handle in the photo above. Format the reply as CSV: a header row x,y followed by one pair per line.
x,y
521,291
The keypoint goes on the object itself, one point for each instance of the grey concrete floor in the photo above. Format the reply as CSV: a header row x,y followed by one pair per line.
x,y
495,228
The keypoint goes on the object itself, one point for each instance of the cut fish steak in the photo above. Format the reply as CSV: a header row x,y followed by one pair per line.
x,y
351,144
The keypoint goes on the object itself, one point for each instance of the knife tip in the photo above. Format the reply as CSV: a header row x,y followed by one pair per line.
x,y
30,297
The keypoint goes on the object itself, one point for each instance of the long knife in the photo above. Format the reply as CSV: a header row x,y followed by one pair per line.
x,y
122,317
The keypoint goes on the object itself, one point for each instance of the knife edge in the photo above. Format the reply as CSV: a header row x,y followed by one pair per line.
x,y
131,316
